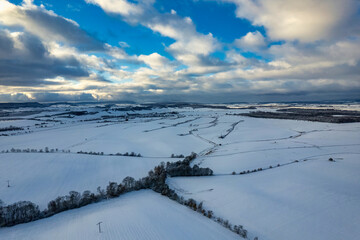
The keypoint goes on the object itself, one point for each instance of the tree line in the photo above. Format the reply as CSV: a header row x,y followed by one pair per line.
x,y
10,128
26,211
52,150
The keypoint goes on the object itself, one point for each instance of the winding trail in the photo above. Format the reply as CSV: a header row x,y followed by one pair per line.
x,y
308,158
231,129
284,148
173,125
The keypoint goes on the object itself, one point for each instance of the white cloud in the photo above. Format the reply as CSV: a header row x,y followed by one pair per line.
x,y
45,24
279,64
305,20
122,7
119,53
156,62
189,43
51,58
339,53
251,41
236,58
124,45
37,47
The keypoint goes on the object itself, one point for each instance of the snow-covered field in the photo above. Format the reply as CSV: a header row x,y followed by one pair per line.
x,y
142,215
41,177
111,138
259,143
315,199
302,195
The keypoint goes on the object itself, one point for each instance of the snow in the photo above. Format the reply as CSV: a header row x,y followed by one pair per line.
x,y
120,137
17,123
306,197
143,215
315,199
260,143
41,177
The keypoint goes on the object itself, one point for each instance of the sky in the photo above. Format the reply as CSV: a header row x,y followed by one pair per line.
x,y
214,51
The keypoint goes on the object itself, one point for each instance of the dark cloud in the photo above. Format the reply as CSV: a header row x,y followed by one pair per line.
x,y
48,25
36,45
6,44
18,97
235,96
54,97
31,64
46,97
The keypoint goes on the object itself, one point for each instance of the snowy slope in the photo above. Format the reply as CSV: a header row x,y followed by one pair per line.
x,y
41,177
260,143
316,199
143,215
312,199
111,138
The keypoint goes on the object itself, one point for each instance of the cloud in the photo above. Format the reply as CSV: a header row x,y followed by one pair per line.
x,y
305,21
46,25
52,97
15,97
122,7
157,62
124,45
46,57
318,55
26,61
46,97
37,45
189,44
252,41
